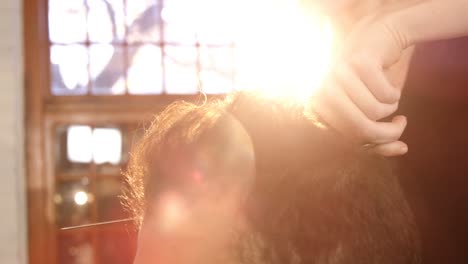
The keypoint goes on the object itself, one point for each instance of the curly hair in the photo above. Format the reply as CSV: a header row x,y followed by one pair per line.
x,y
313,198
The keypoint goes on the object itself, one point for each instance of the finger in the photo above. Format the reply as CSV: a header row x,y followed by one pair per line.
x,y
335,107
392,149
361,96
397,73
374,78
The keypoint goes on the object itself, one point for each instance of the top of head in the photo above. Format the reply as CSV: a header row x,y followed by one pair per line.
x,y
305,194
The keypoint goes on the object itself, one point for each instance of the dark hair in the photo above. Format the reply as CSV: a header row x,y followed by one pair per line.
x,y
314,196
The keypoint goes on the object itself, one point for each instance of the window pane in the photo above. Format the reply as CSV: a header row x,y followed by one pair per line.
x,y
144,72
175,33
72,202
116,169
69,69
205,21
181,70
65,168
107,145
143,21
75,248
217,69
99,145
80,144
67,21
179,18
107,67
106,20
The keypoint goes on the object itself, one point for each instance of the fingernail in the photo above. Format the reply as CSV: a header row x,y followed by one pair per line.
x,y
399,119
404,149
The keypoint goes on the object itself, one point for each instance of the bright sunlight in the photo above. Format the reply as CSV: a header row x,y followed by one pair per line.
x,y
280,50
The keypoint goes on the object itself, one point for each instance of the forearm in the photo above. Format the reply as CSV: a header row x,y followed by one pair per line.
x,y
429,20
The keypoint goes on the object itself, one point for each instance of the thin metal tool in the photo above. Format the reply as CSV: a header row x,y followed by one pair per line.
x,y
98,224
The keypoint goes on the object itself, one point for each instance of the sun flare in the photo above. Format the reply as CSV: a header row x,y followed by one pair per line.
x,y
283,52
280,50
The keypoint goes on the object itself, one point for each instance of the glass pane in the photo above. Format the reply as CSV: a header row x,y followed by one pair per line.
x,y
99,145
145,71
107,145
208,21
107,67
116,169
179,34
106,20
67,21
217,72
75,248
181,70
65,168
72,203
117,246
179,18
69,69
108,201
80,144
143,21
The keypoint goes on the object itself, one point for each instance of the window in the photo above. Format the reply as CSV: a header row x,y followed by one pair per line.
x,y
114,47
88,160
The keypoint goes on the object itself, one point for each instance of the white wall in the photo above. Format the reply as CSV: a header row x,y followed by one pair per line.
x,y
13,246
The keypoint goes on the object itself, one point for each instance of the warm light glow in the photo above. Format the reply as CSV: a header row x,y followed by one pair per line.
x,y
284,53
81,198
280,50
172,211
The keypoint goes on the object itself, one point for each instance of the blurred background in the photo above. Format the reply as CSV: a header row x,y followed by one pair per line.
x,y
79,78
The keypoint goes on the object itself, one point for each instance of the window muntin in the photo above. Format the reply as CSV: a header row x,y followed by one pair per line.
x,y
137,47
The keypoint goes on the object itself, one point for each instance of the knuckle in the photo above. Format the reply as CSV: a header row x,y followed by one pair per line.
x,y
382,111
367,131
376,114
390,95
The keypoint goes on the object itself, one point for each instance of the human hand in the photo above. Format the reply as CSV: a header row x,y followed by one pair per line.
x,y
365,86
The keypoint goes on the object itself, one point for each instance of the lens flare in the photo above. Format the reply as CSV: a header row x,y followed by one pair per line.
x,y
280,50
172,211
283,52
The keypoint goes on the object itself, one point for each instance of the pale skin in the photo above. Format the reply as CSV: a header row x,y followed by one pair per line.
x,y
366,82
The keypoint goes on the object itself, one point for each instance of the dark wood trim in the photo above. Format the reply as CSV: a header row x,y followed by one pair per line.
x,y
36,52
115,102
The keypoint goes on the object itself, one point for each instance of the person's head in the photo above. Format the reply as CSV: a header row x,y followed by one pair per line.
x,y
251,180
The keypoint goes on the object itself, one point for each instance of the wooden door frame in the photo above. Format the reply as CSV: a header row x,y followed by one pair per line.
x,y
36,51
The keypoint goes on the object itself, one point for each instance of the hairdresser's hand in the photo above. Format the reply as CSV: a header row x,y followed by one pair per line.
x,y
365,87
